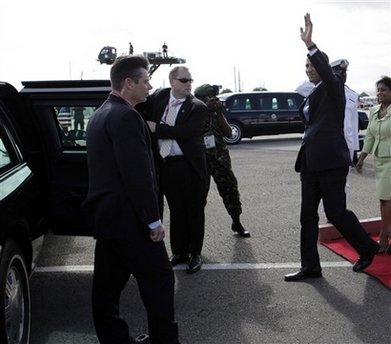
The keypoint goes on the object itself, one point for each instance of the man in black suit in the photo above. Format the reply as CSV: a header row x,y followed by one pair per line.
x,y
177,119
323,162
122,203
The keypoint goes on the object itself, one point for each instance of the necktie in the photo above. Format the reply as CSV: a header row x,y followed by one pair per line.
x,y
166,145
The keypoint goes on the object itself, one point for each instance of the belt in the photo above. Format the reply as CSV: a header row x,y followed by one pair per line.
x,y
174,158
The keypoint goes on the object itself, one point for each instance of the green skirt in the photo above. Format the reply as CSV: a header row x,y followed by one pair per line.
x,y
383,177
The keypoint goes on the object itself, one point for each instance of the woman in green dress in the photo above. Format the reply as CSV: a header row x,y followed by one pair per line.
x,y
378,142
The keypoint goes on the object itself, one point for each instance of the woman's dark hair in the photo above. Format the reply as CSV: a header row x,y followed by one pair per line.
x,y
127,67
386,80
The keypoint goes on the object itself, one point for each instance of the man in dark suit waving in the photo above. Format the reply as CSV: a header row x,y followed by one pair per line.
x,y
122,203
177,119
323,163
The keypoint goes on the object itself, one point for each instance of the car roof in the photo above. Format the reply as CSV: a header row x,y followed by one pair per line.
x,y
224,96
69,86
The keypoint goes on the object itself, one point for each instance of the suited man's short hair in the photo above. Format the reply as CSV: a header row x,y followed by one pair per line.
x,y
174,72
127,67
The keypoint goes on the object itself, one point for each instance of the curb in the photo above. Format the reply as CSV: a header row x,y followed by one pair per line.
x,y
328,232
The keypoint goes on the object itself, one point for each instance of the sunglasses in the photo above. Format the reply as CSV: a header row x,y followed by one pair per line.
x,y
184,80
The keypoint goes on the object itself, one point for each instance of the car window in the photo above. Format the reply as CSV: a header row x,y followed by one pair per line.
x,y
274,104
267,102
13,171
281,102
290,102
242,103
9,156
72,121
5,159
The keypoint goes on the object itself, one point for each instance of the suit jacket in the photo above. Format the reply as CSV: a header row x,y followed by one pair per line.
x,y
122,194
324,146
188,129
378,137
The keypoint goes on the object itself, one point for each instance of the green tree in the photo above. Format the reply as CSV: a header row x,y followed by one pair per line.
x,y
226,90
259,89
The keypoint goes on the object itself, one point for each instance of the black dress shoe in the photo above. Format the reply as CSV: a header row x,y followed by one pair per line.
x,y
141,339
365,260
238,228
303,274
195,264
178,259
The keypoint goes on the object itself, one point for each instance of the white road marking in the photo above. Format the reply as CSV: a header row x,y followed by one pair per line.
x,y
233,266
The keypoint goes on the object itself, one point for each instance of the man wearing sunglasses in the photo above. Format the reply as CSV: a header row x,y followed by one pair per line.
x,y
177,119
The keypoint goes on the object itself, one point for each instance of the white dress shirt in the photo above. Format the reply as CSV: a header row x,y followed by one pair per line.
x,y
175,149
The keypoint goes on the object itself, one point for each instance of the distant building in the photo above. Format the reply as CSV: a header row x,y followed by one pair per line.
x,y
366,102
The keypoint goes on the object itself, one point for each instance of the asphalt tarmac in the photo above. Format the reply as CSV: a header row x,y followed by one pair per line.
x,y
240,295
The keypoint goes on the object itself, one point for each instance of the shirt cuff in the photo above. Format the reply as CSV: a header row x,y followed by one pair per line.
x,y
312,49
155,224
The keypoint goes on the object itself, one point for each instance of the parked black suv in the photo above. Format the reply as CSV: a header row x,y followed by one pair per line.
x,y
266,113
43,180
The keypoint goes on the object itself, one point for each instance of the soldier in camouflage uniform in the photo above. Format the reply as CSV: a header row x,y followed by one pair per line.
x,y
217,155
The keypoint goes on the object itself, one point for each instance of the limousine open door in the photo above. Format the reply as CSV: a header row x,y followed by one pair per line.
x,y
55,109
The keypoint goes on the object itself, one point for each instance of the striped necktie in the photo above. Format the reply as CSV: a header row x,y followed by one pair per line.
x,y
170,118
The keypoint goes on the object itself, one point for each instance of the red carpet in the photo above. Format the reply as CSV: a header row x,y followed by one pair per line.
x,y
380,267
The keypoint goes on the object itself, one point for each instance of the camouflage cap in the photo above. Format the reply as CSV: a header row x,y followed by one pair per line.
x,y
203,90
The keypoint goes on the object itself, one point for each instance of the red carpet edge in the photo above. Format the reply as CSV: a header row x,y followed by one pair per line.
x,y
332,239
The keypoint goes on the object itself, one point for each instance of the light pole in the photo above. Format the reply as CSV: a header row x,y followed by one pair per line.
x,y
235,80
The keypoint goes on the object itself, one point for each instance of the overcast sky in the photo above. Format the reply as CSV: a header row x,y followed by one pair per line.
x,y
48,39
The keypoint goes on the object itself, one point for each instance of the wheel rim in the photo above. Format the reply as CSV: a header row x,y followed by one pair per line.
x,y
236,134
14,306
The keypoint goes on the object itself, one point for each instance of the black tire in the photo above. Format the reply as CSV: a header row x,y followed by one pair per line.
x,y
237,134
15,299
